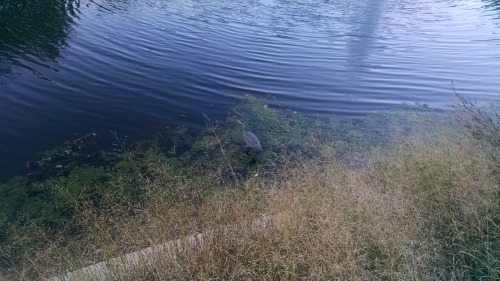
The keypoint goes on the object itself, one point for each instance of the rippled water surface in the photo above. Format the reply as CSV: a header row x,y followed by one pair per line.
x,y
72,67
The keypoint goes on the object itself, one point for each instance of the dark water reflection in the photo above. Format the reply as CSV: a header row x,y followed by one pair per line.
x,y
68,68
33,33
492,4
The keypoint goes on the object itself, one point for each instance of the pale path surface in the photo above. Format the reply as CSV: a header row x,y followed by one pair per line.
x,y
105,270
127,263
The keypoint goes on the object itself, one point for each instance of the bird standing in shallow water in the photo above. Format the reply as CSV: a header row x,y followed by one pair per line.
x,y
251,139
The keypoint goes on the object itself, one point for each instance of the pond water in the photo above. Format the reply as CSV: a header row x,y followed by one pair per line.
x,y
68,68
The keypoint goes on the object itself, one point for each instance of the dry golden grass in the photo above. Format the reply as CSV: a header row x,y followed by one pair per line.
x,y
426,209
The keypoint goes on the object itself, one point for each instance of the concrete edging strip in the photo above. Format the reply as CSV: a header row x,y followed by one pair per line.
x,y
105,270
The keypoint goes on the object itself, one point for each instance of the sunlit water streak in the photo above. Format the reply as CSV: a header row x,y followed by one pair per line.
x,y
94,66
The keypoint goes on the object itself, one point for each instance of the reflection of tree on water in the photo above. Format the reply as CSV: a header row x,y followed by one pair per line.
x,y
493,4
33,31
366,21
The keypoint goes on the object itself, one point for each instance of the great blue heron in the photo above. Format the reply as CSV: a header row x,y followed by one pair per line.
x,y
251,139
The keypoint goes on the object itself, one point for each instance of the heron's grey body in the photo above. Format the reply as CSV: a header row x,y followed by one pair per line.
x,y
252,141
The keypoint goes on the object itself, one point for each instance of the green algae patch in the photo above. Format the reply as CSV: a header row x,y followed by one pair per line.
x,y
285,138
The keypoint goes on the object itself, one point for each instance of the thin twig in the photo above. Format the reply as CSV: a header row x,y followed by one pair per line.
x,y
483,124
126,151
212,126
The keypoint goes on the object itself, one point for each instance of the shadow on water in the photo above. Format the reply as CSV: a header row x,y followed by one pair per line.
x,y
33,32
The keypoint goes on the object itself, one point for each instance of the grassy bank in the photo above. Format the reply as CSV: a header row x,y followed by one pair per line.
x,y
406,196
